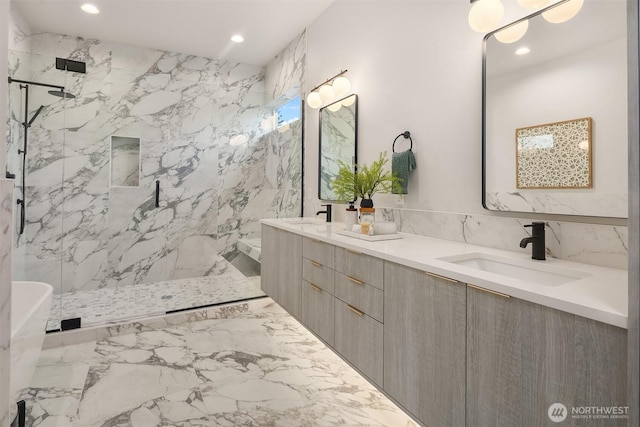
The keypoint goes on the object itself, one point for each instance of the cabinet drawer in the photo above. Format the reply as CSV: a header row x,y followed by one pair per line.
x,y
318,311
358,338
360,266
318,251
359,294
318,274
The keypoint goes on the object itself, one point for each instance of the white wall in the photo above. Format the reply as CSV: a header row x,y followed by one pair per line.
x,y
592,74
415,66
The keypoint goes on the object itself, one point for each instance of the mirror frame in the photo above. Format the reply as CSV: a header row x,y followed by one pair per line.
x,y
484,119
355,143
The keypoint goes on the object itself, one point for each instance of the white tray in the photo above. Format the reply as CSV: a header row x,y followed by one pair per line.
x,y
375,238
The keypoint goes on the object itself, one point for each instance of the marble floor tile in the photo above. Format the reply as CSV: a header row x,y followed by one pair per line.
x,y
253,368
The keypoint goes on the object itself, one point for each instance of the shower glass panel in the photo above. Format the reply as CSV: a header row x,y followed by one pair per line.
x,y
34,151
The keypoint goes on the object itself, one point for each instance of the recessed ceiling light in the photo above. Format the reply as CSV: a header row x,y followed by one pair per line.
x,y
237,38
523,51
90,8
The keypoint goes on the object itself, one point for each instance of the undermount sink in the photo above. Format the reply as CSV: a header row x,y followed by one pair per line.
x,y
303,221
537,272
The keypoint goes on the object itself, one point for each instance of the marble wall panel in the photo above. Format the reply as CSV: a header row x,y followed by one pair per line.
x,y
137,237
6,238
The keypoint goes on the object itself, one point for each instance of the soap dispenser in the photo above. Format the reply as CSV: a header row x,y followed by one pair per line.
x,y
351,217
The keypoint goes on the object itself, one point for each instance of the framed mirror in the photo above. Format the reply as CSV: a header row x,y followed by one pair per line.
x,y
555,115
338,142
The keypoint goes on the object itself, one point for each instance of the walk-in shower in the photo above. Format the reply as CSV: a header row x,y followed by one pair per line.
x,y
134,201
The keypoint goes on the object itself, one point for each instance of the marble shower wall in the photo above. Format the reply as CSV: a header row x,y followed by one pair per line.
x,y
6,231
270,162
84,234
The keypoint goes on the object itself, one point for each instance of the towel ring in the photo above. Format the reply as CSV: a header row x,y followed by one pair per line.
x,y
407,135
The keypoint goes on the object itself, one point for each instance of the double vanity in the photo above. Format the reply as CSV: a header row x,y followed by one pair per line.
x,y
455,332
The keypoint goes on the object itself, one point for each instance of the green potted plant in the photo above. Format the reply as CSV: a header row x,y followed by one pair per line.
x,y
364,181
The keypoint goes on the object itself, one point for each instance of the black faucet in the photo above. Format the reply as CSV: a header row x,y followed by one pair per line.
x,y
536,240
328,212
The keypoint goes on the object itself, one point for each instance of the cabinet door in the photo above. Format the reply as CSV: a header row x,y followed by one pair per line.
x,y
318,311
523,357
317,251
359,294
424,344
269,261
358,338
289,254
360,266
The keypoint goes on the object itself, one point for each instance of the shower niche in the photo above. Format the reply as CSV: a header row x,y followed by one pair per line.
x,y
125,161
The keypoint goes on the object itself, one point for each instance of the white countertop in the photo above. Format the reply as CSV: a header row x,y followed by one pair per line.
x,y
601,296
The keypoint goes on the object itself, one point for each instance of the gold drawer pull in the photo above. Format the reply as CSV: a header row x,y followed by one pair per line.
x,y
352,251
437,276
315,288
356,281
315,264
500,294
355,310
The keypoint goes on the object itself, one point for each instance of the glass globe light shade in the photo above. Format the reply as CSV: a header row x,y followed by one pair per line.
x,y
349,101
327,93
341,86
513,33
314,100
335,106
564,12
533,4
485,15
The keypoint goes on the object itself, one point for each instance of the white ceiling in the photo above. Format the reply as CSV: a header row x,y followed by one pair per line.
x,y
197,27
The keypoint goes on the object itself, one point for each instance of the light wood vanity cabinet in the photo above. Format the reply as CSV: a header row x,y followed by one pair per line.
x,y
450,353
424,344
281,268
522,357
269,265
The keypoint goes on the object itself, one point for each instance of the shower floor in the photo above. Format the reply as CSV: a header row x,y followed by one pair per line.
x,y
108,305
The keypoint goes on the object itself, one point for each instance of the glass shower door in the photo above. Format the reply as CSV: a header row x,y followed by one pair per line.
x,y
35,147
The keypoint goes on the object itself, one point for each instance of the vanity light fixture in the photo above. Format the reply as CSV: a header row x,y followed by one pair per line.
x,y
237,38
327,93
335,106
512,33
90,9
335,87
485,15
563,12
522,51
533,4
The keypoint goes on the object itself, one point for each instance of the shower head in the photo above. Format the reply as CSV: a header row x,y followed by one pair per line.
x,y
61,94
